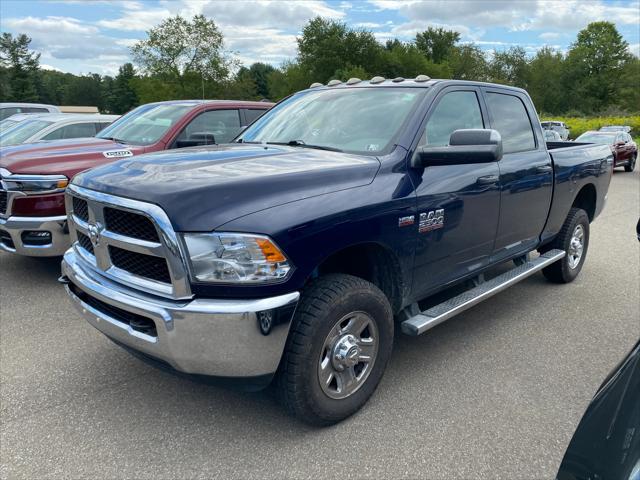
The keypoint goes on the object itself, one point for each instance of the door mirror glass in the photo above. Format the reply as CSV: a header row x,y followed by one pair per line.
x,y
465,146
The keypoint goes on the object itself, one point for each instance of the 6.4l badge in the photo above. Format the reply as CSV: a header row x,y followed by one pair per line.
x,y
432,220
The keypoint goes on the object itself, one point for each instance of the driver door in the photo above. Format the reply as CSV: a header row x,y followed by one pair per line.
x,y
458,205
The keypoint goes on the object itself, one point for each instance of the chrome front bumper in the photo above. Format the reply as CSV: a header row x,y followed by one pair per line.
x,y
220,338
15,226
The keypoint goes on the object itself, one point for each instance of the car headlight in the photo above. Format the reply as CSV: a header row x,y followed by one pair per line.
x,y
33,184
235,258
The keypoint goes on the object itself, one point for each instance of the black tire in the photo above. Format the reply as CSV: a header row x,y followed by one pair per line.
x,y
629,167
562,271
324,302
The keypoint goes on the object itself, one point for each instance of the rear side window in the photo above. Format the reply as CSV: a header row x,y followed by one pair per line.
x,y
454,111
224,125
252,115
8,111
79,130
34,110
509,117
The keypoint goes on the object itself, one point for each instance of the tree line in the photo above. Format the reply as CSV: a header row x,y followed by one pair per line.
x,y
183,58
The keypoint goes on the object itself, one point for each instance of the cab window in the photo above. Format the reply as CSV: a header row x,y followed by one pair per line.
x,y
224,125
509,117
455,111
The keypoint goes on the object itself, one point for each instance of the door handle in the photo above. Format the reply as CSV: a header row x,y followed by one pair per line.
x,y
488,180
544,169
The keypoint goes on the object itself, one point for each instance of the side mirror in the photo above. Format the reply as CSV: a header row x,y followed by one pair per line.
x,y
196,140
465,146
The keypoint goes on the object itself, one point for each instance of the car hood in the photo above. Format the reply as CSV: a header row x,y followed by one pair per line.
x,y
65,157
204,188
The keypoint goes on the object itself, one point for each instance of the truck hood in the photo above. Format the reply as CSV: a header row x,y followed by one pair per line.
x,y
66,157
203,188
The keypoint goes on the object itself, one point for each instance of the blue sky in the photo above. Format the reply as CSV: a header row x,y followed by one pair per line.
x,y
82,36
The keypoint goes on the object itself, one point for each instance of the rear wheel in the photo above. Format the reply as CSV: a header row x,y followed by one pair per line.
x,y
573,239
337,351
629,167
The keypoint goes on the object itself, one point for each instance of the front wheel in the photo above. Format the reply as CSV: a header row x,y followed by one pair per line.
x,y
629,167
337,351
573,239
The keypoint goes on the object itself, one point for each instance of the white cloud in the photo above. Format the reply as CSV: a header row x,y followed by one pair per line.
x,y
635,49
549,35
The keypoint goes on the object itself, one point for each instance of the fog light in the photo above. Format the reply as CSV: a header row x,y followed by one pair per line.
x,y
36,237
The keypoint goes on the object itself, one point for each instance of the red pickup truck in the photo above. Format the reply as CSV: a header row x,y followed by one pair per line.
x,y
33,177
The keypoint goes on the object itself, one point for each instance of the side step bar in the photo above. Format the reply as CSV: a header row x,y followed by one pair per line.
x,y
423,321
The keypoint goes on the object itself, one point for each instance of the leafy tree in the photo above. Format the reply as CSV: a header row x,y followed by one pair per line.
x,y
468,62
437,43
124,97
259,74
184,52
401,59
510,67
546,81
84,90
327,47
595,65
20,66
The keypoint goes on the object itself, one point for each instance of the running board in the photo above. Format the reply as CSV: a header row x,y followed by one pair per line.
x,y
423,321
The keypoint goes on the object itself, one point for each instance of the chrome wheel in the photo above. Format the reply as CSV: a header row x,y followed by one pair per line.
x,y
576,247
348,355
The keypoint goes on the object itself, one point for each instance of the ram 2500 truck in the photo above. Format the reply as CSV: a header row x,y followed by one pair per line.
x,y
33,177
292,253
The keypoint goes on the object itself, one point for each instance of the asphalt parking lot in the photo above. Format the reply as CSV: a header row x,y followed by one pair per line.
x,y
494,393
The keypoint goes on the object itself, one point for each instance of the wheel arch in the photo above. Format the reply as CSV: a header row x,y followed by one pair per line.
x,y
586,199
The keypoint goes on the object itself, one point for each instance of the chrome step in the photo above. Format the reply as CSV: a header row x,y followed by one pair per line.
x,y
423,321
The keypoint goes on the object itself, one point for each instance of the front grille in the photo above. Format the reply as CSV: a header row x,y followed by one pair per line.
x,y
6,239
85,243
3,202
130,224
81,209
148,266
137,322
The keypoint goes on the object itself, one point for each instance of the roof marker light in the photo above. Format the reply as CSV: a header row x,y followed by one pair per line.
x,y
398,80
353,81
375,80
333,83
315,85
422,78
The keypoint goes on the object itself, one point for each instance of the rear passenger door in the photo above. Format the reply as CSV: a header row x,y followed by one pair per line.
x,y
463,199
526,173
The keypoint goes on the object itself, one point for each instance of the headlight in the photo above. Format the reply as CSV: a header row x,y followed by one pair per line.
x,y
235,258
33,184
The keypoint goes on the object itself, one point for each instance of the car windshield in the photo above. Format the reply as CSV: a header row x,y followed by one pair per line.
x,y
22,132
612,129
358,120
6,124
146,124
596,138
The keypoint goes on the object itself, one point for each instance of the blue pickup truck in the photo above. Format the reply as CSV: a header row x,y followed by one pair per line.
x,y
295,254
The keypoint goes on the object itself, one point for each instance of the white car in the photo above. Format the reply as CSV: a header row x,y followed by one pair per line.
x,y
8,109
54,126
560,127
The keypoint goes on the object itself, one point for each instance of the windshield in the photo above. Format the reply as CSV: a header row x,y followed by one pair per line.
x,y
22,132
611,129
6,124
146,124
359,120
596,138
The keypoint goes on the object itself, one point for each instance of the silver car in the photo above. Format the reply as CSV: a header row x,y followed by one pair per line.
x,y
557,126
53,126
8,109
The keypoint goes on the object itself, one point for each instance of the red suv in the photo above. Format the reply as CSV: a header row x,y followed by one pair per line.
x,y
625,150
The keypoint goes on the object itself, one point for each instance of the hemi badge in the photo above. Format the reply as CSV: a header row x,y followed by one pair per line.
x,y
406,221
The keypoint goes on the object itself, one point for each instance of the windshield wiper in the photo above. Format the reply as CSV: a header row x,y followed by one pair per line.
x,y
114,139
301,143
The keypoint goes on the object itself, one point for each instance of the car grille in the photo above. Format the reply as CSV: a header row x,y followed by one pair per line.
x,y
81,209
130,224
6,239
124,239
140,264
85,243
3,202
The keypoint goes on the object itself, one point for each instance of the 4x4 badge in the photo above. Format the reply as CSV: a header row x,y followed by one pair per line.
x,y
432,220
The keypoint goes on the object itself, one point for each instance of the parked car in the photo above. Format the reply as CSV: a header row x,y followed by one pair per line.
x,y
560,127
551,136
606,443
54,126
625,150
34,176
616,128
13,120
8,109
288,253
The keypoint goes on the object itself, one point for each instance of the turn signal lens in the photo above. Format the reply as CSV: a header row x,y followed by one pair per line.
x,y
270,251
